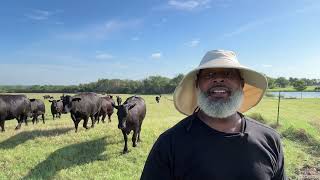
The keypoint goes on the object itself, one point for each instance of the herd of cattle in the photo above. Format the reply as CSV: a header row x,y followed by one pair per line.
x,y
81,107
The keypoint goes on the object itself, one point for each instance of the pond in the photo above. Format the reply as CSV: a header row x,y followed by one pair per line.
x,y
297,94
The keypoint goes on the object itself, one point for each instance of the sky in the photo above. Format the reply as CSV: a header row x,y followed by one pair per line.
x,y
80,41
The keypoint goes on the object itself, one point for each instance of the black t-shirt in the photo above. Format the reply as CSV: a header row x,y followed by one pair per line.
x,y
193,150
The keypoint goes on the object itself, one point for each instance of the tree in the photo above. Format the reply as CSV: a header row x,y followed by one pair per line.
x,y
282,82
300,85
271,82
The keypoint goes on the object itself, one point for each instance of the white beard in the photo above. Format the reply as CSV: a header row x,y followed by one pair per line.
x,y
220,108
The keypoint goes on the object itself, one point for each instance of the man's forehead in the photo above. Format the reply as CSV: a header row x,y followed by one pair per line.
x,y
218,70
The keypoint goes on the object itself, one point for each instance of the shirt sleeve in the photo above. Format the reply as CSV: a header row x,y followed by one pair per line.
x,y
158,164
280,173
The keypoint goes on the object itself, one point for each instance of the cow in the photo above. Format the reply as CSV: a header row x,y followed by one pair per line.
x,y
119,100
158,98
106,108
14,107
82,106
56,108
47,97
37,108
130,117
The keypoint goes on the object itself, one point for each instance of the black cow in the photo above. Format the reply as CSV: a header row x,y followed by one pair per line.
x,y
130,116
158,98
37,108
56,108
82,106
119,100
47,97
106,108
14,107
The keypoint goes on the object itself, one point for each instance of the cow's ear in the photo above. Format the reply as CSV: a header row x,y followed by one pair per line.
x,y
32,100
50,101
113,105
58,100
131,106
76,99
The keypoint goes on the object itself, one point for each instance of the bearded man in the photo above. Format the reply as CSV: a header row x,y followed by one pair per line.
x,y
216,141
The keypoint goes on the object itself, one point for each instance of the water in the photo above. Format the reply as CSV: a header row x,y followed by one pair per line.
x,y
297,94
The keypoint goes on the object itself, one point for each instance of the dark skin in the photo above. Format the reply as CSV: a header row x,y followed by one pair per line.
x,y
219,84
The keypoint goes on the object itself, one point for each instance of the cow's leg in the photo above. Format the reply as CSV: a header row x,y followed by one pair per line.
x,y
43,118
103,117
93,119
125,137
134,138
59,115
20,120
85,123
33,119
2,125
75,121
25,119
109,117
53,115
139,140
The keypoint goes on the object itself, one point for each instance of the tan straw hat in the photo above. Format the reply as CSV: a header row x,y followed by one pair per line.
x,y
185,94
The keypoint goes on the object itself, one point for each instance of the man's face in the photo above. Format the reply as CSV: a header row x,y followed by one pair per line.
x,y
220,92
219,83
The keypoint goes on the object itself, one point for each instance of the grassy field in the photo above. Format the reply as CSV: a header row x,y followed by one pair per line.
x,y
54,151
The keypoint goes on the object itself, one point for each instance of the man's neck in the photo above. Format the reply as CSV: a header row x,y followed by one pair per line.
x,y
231,124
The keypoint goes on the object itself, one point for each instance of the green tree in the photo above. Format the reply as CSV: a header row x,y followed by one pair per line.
x,y
300,85
282,82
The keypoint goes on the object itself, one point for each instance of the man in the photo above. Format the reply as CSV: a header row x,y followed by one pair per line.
x,y
216,141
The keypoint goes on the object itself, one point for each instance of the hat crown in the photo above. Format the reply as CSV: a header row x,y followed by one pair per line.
x,y
218,55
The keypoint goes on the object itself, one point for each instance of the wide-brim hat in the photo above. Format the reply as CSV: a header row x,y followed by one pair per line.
x,y
255,83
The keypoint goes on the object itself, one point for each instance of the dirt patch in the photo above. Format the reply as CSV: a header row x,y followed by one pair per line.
x,y
309,173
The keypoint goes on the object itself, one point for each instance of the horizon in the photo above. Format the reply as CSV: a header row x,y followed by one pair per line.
x,y
72,43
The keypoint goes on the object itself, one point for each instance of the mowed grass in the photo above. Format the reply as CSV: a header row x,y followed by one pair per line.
x,y
54,151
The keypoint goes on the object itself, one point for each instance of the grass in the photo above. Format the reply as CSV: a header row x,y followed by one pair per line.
x,y
54,151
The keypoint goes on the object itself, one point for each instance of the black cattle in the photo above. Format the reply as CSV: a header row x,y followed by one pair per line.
x,y
37,108
47,97
56,108
158,98
106,108
119,100
14,107
130,116
82,106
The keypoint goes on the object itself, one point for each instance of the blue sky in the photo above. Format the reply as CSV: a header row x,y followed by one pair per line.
x,y
72,42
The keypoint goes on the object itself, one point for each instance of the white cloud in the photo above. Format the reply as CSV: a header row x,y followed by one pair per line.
x,y
104,56
135,38
157,55
193,43
101,30
39,15
189,4
266,65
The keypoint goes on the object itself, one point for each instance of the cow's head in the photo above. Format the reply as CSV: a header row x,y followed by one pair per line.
x,y
54,103
67,103
123,112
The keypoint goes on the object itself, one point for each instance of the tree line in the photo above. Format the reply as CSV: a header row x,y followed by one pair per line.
x,y
149,85
298,84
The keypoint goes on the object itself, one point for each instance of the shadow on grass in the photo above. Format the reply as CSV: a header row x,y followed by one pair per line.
x,y
22,137
69,156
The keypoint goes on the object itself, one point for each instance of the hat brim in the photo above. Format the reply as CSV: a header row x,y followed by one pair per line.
x,y
185,94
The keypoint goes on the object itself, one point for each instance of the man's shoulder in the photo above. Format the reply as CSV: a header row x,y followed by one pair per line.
x,y
180,128
258,127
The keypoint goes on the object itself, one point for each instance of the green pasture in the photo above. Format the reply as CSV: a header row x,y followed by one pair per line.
x,y
291,89
54,151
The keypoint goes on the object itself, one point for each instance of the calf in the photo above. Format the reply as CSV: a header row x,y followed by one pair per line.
x,y
106,108
14,107
82,106
158,98
37,108
130,116
56,108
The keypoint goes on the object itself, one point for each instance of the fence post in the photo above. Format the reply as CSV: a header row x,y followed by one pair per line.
x,y
278,109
